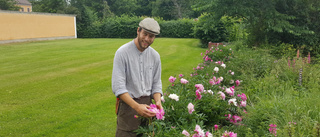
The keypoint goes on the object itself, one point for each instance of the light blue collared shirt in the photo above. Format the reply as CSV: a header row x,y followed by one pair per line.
x,y
137,73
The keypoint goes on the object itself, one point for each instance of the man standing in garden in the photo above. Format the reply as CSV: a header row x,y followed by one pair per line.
x,y
136,79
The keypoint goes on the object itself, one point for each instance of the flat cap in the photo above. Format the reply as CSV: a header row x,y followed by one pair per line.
x,y
150,25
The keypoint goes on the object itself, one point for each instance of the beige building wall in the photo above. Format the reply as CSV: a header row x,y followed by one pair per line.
x,y
24,26
25,8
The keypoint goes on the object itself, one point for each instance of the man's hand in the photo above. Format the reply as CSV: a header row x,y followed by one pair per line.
x,y
142,110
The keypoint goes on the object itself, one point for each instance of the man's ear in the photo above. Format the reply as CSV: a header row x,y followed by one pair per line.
x,y
139,29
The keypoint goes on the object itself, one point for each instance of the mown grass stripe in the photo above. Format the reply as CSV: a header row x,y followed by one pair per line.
x,y
63,87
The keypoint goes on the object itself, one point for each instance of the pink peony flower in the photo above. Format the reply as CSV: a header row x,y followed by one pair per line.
x,y
135,116
222,95
212,81
237,82
190,108
200,132
232,73
208,134
172,79
181,75
229,134
186,133
199,87
273,129
184,81
159,113
207,58
236,118
243,96
215,81
216,127
198,94
243,104
230,91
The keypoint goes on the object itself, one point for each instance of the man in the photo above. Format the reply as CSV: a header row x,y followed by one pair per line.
x,y
136,78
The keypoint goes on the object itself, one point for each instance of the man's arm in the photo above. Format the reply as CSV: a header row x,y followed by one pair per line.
x,y
142,109
157,99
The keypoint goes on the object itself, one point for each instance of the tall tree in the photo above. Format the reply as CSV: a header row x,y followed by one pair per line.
x,y
100,7
144,7
119,7
265,18
8,5
49,6
173,9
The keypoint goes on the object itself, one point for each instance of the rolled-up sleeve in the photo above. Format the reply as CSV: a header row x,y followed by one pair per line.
x,y
119,75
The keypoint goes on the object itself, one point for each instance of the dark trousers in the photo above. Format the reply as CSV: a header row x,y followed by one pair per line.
x,y
126,122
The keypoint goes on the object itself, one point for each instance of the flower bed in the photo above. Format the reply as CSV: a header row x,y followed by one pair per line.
x,y
210,98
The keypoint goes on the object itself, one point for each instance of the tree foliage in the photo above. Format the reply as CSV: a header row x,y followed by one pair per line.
x,y
295,22
174,9
271,21
8,5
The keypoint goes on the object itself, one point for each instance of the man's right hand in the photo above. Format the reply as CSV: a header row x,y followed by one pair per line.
x,y
142,109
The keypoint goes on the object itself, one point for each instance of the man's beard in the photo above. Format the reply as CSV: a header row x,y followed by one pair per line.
x,y
140,41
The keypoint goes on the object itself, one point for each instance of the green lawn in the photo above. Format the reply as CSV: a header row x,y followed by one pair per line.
x,y
63,87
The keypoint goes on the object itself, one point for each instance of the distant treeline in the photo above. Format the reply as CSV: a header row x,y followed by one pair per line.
x,y
284,24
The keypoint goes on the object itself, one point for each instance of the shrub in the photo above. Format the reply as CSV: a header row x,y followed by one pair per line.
x,y
182,28
120,27
207,29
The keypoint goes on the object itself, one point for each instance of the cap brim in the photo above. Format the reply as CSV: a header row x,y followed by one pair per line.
x,y
150,31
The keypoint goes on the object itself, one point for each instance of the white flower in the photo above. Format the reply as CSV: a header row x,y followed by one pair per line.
x,y
174,97
221,78
210,91
231,81
162,99
216,69
228,90
234,101
223,65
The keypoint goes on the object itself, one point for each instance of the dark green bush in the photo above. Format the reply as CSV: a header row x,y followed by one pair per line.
x,y
120,27
126,27
177,28
207,29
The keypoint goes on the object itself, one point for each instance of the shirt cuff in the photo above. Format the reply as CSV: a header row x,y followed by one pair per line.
x,y
120,92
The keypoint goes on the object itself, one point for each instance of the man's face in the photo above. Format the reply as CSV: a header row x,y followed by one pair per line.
x,y
145,39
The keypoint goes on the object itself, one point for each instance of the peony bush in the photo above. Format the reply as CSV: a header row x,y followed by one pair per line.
x,y
247,94
196,104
